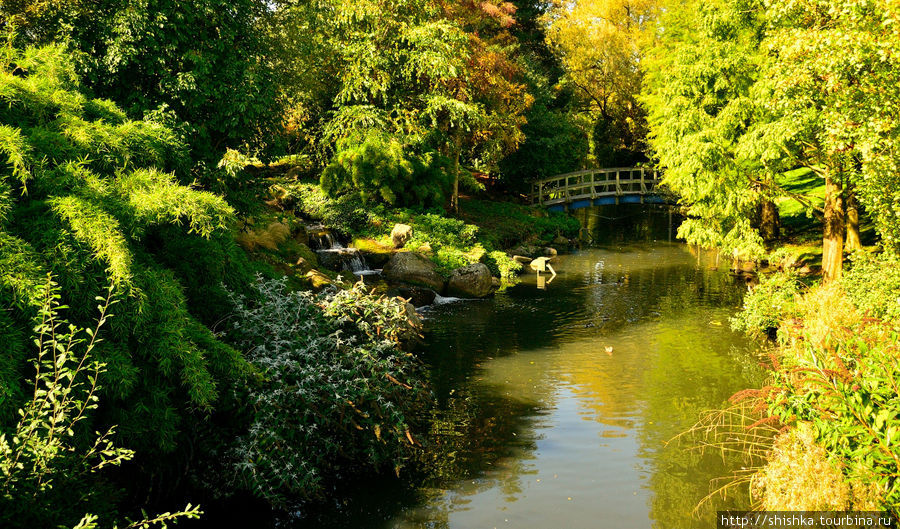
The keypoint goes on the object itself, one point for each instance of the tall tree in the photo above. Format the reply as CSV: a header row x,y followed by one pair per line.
x,y
702,112
742,90
600,43
198,64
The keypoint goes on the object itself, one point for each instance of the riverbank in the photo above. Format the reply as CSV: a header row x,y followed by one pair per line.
x,y
481,232
822,432
832,396
536,423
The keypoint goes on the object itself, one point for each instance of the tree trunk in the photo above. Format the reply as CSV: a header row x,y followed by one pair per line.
x,y
833,241
769,221
454,200
853,243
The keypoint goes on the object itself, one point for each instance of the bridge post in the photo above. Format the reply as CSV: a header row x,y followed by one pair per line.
x,y
593,189
618,185
541,192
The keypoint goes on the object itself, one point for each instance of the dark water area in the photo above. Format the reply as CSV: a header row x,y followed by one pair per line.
x,y
558,396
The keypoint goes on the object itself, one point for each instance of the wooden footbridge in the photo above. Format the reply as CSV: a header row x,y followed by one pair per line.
x,y
596,187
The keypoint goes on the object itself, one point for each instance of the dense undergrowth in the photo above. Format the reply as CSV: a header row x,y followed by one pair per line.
x,y
93,199
338,394
833,389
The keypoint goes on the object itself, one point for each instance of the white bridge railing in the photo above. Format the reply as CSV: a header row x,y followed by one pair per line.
x,y
594,183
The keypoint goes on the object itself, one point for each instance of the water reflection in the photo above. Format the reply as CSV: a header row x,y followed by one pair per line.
x,y
557,399
588,448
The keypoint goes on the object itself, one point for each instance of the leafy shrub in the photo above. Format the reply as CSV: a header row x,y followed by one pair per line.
x,y
505,225
339,394
86,198
873,285
845,386
49,461
453,242
380,169
502,266
768,304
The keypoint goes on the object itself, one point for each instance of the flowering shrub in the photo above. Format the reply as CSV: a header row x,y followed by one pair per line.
x,y
338,393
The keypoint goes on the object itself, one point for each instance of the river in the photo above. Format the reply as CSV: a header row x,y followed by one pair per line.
x,y
557,398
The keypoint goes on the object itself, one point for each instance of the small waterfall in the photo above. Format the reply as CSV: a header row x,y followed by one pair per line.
x,y
321,238
334,255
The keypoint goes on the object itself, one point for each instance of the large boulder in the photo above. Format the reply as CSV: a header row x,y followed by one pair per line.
x,y
411,268
561,241
526,250
401,234
472,281
418,296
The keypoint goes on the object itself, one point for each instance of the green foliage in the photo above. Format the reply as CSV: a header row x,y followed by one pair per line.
x,y
487,226
873,284
49,456
505,224
380,169
86,200
555,135
846,388
502,265
700,111
202,62
768,305
41,459
338,396
836,370
741,91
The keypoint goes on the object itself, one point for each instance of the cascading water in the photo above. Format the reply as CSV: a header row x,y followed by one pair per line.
x,y
334,255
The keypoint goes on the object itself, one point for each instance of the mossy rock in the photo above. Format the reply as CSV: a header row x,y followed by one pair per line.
x,y
376,253
292,251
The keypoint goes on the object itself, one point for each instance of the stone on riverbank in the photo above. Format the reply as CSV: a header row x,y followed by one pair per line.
x,y
418,296
411,268
401,234
472,281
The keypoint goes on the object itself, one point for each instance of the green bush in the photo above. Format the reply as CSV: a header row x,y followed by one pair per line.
x,y
49,460
453,242
381,169
873,284
502,265
846,388
339,395
505,225
83,196
768,304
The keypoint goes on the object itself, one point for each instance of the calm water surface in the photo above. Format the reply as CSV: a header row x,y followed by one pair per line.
x,y
540,427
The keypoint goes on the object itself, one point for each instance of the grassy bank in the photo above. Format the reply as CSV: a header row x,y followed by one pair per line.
x,y
833,398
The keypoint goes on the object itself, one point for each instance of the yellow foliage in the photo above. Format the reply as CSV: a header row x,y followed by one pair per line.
x,y
600,42
800,477
823,310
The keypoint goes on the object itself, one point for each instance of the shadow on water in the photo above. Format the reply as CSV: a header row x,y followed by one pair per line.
x,y
555,404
